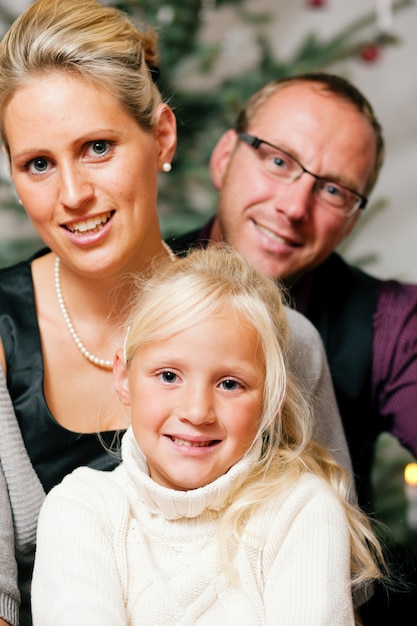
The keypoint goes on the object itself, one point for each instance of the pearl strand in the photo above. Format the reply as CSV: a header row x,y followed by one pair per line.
x,y
172,254
108,365
81,347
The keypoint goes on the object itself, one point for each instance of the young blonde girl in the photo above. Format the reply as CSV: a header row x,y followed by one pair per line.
x,y
224,510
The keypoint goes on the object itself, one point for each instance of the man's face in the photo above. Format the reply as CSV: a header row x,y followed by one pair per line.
x,y
283,228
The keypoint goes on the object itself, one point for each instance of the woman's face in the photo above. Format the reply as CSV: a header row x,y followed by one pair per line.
x,y
85,171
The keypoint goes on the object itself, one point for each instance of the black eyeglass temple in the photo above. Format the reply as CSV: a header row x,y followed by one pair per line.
x,y
250,139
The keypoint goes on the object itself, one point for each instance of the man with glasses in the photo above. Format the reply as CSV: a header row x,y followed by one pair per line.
x,y
293,178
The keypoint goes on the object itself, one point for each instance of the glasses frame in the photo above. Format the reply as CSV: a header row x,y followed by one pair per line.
x,y
255,142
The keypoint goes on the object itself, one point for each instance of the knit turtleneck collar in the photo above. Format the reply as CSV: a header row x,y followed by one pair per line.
x,y
174,504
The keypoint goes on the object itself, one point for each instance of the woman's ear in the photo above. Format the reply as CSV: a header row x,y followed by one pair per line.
x,y
121,380
165,134
6,159
220,157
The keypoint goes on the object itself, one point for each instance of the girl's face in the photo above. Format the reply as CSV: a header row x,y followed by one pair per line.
x,y
196,400
85,171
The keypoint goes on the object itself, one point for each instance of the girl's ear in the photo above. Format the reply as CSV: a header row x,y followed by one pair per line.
x,y
121,381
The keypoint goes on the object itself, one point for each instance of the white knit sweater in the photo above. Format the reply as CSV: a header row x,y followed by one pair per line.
x,y
115,548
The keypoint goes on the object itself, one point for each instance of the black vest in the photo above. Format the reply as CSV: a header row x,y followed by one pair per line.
x,y
341,306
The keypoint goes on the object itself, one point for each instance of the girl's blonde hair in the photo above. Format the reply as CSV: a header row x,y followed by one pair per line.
x,y
204,284
82,37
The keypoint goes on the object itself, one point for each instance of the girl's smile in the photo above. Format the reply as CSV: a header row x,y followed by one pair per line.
x,y
196,400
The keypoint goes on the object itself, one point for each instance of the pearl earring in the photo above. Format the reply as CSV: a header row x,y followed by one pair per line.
x,y
166,167
19,201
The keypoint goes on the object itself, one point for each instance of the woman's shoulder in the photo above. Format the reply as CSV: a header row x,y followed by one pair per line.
x,y
16,279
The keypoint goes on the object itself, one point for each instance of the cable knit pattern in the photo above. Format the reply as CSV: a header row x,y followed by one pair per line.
x,y
114,548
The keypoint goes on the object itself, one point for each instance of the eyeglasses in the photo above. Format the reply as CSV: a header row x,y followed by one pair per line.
x,y
285,168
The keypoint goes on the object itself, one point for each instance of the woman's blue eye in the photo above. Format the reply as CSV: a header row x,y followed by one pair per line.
x,y
100,147
40,165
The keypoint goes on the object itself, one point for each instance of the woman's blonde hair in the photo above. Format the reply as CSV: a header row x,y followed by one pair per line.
x,y
82,37
207,283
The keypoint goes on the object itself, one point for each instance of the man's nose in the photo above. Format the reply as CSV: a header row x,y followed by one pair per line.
x,y
296,198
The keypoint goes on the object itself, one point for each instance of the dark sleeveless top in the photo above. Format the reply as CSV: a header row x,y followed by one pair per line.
x,y
340,300
53,450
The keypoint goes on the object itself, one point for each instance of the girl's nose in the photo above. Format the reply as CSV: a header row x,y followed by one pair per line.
x,y
197,407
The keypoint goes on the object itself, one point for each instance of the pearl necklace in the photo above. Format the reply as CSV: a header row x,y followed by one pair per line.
x,y
108,365
171,253
105,364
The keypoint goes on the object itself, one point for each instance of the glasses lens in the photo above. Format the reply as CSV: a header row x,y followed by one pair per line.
x,y
337,196
279,163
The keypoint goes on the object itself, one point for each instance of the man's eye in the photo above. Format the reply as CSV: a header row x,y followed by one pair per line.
x,y
279,161
333,190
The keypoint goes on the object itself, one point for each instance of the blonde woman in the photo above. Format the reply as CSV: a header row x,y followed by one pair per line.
x,y
86,134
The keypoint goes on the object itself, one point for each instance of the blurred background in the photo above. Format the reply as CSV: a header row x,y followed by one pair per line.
x,y
214,54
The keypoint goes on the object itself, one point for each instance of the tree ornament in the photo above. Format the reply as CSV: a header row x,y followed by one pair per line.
x,y
370,53
316,4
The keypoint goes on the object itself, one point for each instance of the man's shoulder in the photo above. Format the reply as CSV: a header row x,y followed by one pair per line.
x,y
357,283
197,238
341,272
395,309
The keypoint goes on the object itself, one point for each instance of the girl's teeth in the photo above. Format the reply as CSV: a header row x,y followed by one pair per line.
x,y
190,444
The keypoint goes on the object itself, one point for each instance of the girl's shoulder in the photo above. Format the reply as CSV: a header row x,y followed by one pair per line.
x,y
88,489
308,495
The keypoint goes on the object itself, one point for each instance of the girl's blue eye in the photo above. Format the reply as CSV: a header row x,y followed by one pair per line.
x,y
168,377
229,384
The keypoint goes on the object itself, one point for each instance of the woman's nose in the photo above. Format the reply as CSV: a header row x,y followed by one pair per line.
x,y
75,187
